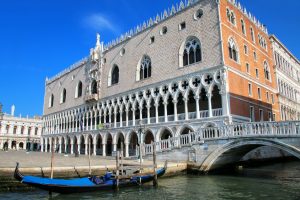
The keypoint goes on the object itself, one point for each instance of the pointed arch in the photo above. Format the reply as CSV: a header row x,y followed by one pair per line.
x,y
78,91
94,87
51,101
113,76
233,50
63,96
267,73
144,68
190,51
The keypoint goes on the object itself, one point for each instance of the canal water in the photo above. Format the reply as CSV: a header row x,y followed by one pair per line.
x,y
276,181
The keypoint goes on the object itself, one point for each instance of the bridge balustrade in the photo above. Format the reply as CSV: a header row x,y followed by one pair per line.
x,y
229,131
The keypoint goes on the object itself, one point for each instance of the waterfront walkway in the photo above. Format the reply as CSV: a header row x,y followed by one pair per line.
x,y
35,162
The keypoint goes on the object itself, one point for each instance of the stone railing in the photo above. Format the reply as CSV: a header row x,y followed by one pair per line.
x,y
291,128
161,119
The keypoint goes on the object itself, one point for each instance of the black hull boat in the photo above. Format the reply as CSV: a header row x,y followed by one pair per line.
x,y
86,184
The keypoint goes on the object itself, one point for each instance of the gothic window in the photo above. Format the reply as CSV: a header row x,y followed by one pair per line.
x,y
230,16
252,34
29,130
191,52
15,130
78,92
115,75
233,52
243,27
51,101
267,71
145,68
94,87
63,96
36,131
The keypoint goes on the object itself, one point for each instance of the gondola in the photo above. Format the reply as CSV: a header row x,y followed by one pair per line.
x,y
86,184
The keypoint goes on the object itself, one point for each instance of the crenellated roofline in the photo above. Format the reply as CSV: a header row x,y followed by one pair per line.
x,y
154,21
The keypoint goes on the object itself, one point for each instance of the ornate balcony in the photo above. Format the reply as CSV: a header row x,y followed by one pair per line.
x,y
91,98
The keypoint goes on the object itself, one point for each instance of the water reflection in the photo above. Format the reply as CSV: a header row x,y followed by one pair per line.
x,y
280,181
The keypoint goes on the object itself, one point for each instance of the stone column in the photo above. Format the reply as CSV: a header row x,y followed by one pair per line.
x,y
141,113
175,110
109,120
126,150
133,116
103,149
197,107
166,111
78,149
186,109
72,148
127,117
114,147
121,118
104,118
156,113
95,121
94,149
60,147
225,101
76,124
86,148
115,117
66,147
210,113
148,114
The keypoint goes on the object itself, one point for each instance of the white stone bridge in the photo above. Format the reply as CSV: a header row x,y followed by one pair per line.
x,y
211,148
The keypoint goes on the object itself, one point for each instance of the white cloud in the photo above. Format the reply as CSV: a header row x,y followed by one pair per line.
x,y
100,22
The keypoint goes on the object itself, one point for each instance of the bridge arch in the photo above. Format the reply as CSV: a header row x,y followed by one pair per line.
x,y
234,151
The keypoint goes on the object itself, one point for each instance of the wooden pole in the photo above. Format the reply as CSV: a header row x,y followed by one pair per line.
x,y
122,154
154,164
90,171
52,158
117,169
140,171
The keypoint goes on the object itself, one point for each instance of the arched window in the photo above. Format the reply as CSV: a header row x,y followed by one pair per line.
x,y
145,68
63,96
51,101
267,71
230,16
94,87
115,75
243,27
36,131
252,34
78,92
233,52
191,52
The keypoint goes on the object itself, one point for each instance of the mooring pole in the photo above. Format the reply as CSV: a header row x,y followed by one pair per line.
x,y
52,158
90,170
154,164
117,170
122,154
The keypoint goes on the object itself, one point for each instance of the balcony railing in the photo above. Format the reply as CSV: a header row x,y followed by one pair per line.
x,y
161,119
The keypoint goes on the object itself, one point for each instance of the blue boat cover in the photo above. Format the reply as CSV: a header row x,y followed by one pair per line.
x,y
59,182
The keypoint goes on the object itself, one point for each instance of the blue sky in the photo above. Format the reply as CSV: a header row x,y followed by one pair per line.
x,y
41,38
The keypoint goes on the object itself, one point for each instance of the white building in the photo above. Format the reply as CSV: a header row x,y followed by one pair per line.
x,y
19,133
288,79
